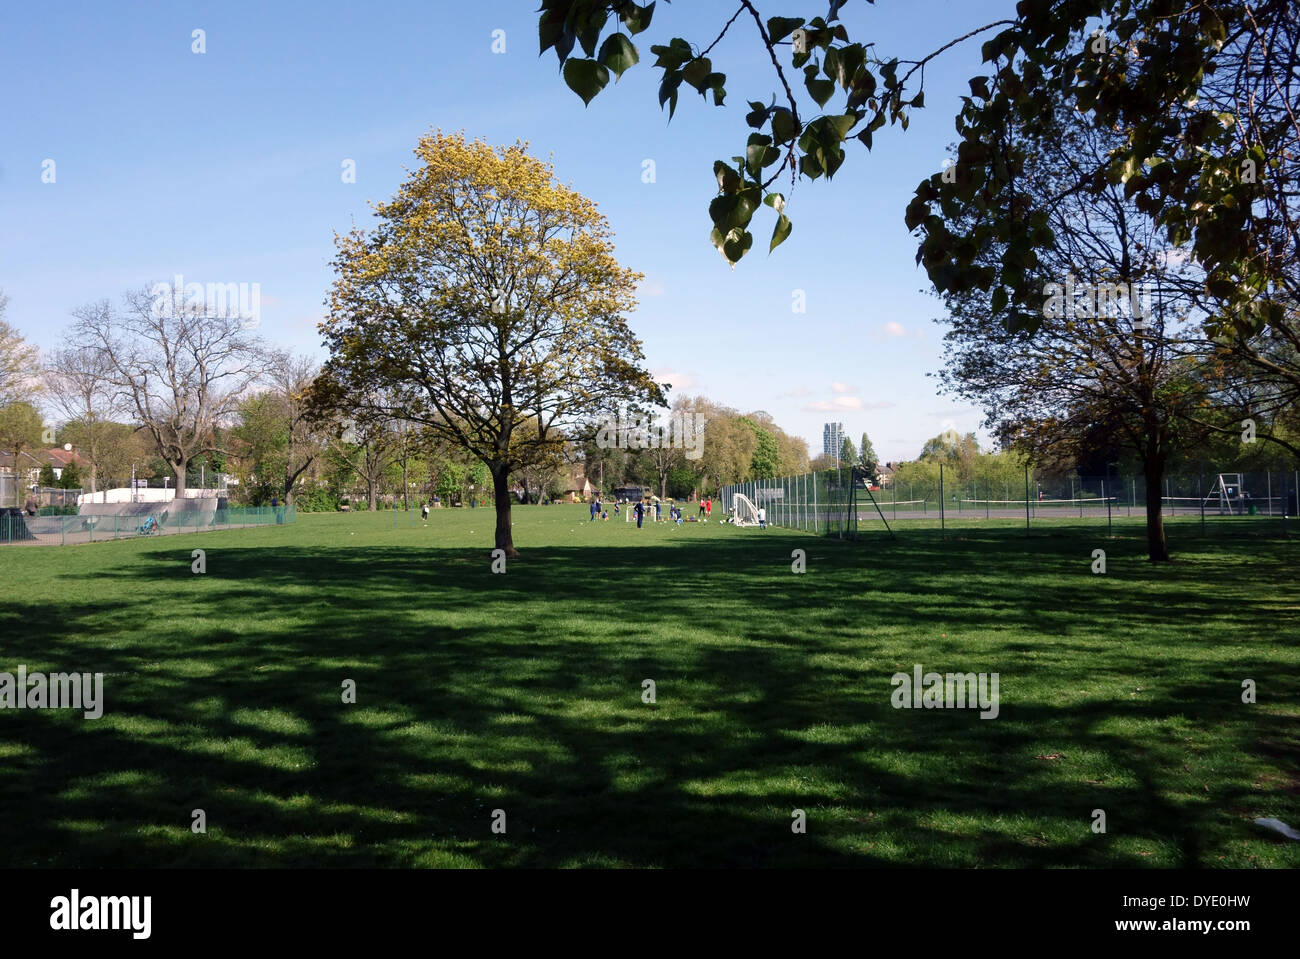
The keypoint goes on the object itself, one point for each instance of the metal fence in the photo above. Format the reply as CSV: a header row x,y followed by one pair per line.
x,y
19,529
840,502
824,502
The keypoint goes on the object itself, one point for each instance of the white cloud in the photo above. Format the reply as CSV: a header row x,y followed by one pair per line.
x,y
894,328
678,380
842,403
843,388
650,287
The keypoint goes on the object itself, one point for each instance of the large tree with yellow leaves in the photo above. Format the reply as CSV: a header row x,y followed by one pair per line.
x,y
486,304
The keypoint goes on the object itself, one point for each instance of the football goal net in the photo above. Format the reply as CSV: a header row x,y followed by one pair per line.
x,y
743,511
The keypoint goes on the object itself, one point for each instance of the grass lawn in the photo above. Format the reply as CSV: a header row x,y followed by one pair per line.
x,y
523,692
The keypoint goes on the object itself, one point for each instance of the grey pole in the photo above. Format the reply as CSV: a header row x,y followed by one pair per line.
x,y
941,504
1200,495
1026,499
814,479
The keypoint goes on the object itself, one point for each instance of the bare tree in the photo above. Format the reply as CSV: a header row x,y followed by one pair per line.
x,y
665,458
78,381
292,377
180,366
367,446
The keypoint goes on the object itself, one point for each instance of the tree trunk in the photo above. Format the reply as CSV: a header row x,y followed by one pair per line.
x,y
371,490
178,471
1157,548
501,494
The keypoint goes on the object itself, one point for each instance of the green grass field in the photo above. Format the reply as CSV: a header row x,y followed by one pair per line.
x,y
523,692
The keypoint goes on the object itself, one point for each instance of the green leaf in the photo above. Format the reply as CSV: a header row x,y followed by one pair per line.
x,y
672,56
552,31
637,18
757,116
589,31
618,54
731,211
668,91
819,90
784,126
586,78
776,201
697,71
849,60
779,234
759,153
979,87
778,28
733,244
729,180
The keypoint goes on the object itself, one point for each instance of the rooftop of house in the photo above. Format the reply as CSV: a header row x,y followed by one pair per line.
x,y
35,459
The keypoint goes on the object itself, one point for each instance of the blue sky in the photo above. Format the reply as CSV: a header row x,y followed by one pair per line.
x,y
225,167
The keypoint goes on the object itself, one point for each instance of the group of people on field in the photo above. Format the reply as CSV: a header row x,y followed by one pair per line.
x,y
640,509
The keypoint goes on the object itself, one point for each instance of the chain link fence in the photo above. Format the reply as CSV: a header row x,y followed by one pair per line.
x,y
824,502
839,503
134,520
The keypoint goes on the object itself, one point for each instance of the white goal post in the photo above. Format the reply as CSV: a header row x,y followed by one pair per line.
x,y
744,512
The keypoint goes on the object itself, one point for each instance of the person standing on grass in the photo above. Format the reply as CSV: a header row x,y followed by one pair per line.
x,y
424,512
701,505
639,509
708,507
656,512
592,509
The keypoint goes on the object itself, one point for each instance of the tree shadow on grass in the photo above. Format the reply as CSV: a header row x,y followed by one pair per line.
x,y
523,692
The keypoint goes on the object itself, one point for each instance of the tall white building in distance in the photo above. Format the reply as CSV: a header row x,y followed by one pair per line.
x,y
832,438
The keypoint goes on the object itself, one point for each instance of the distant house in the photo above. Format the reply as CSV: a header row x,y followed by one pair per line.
x,y
24,465
27,466
20,473
578,489
885,473
61,458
